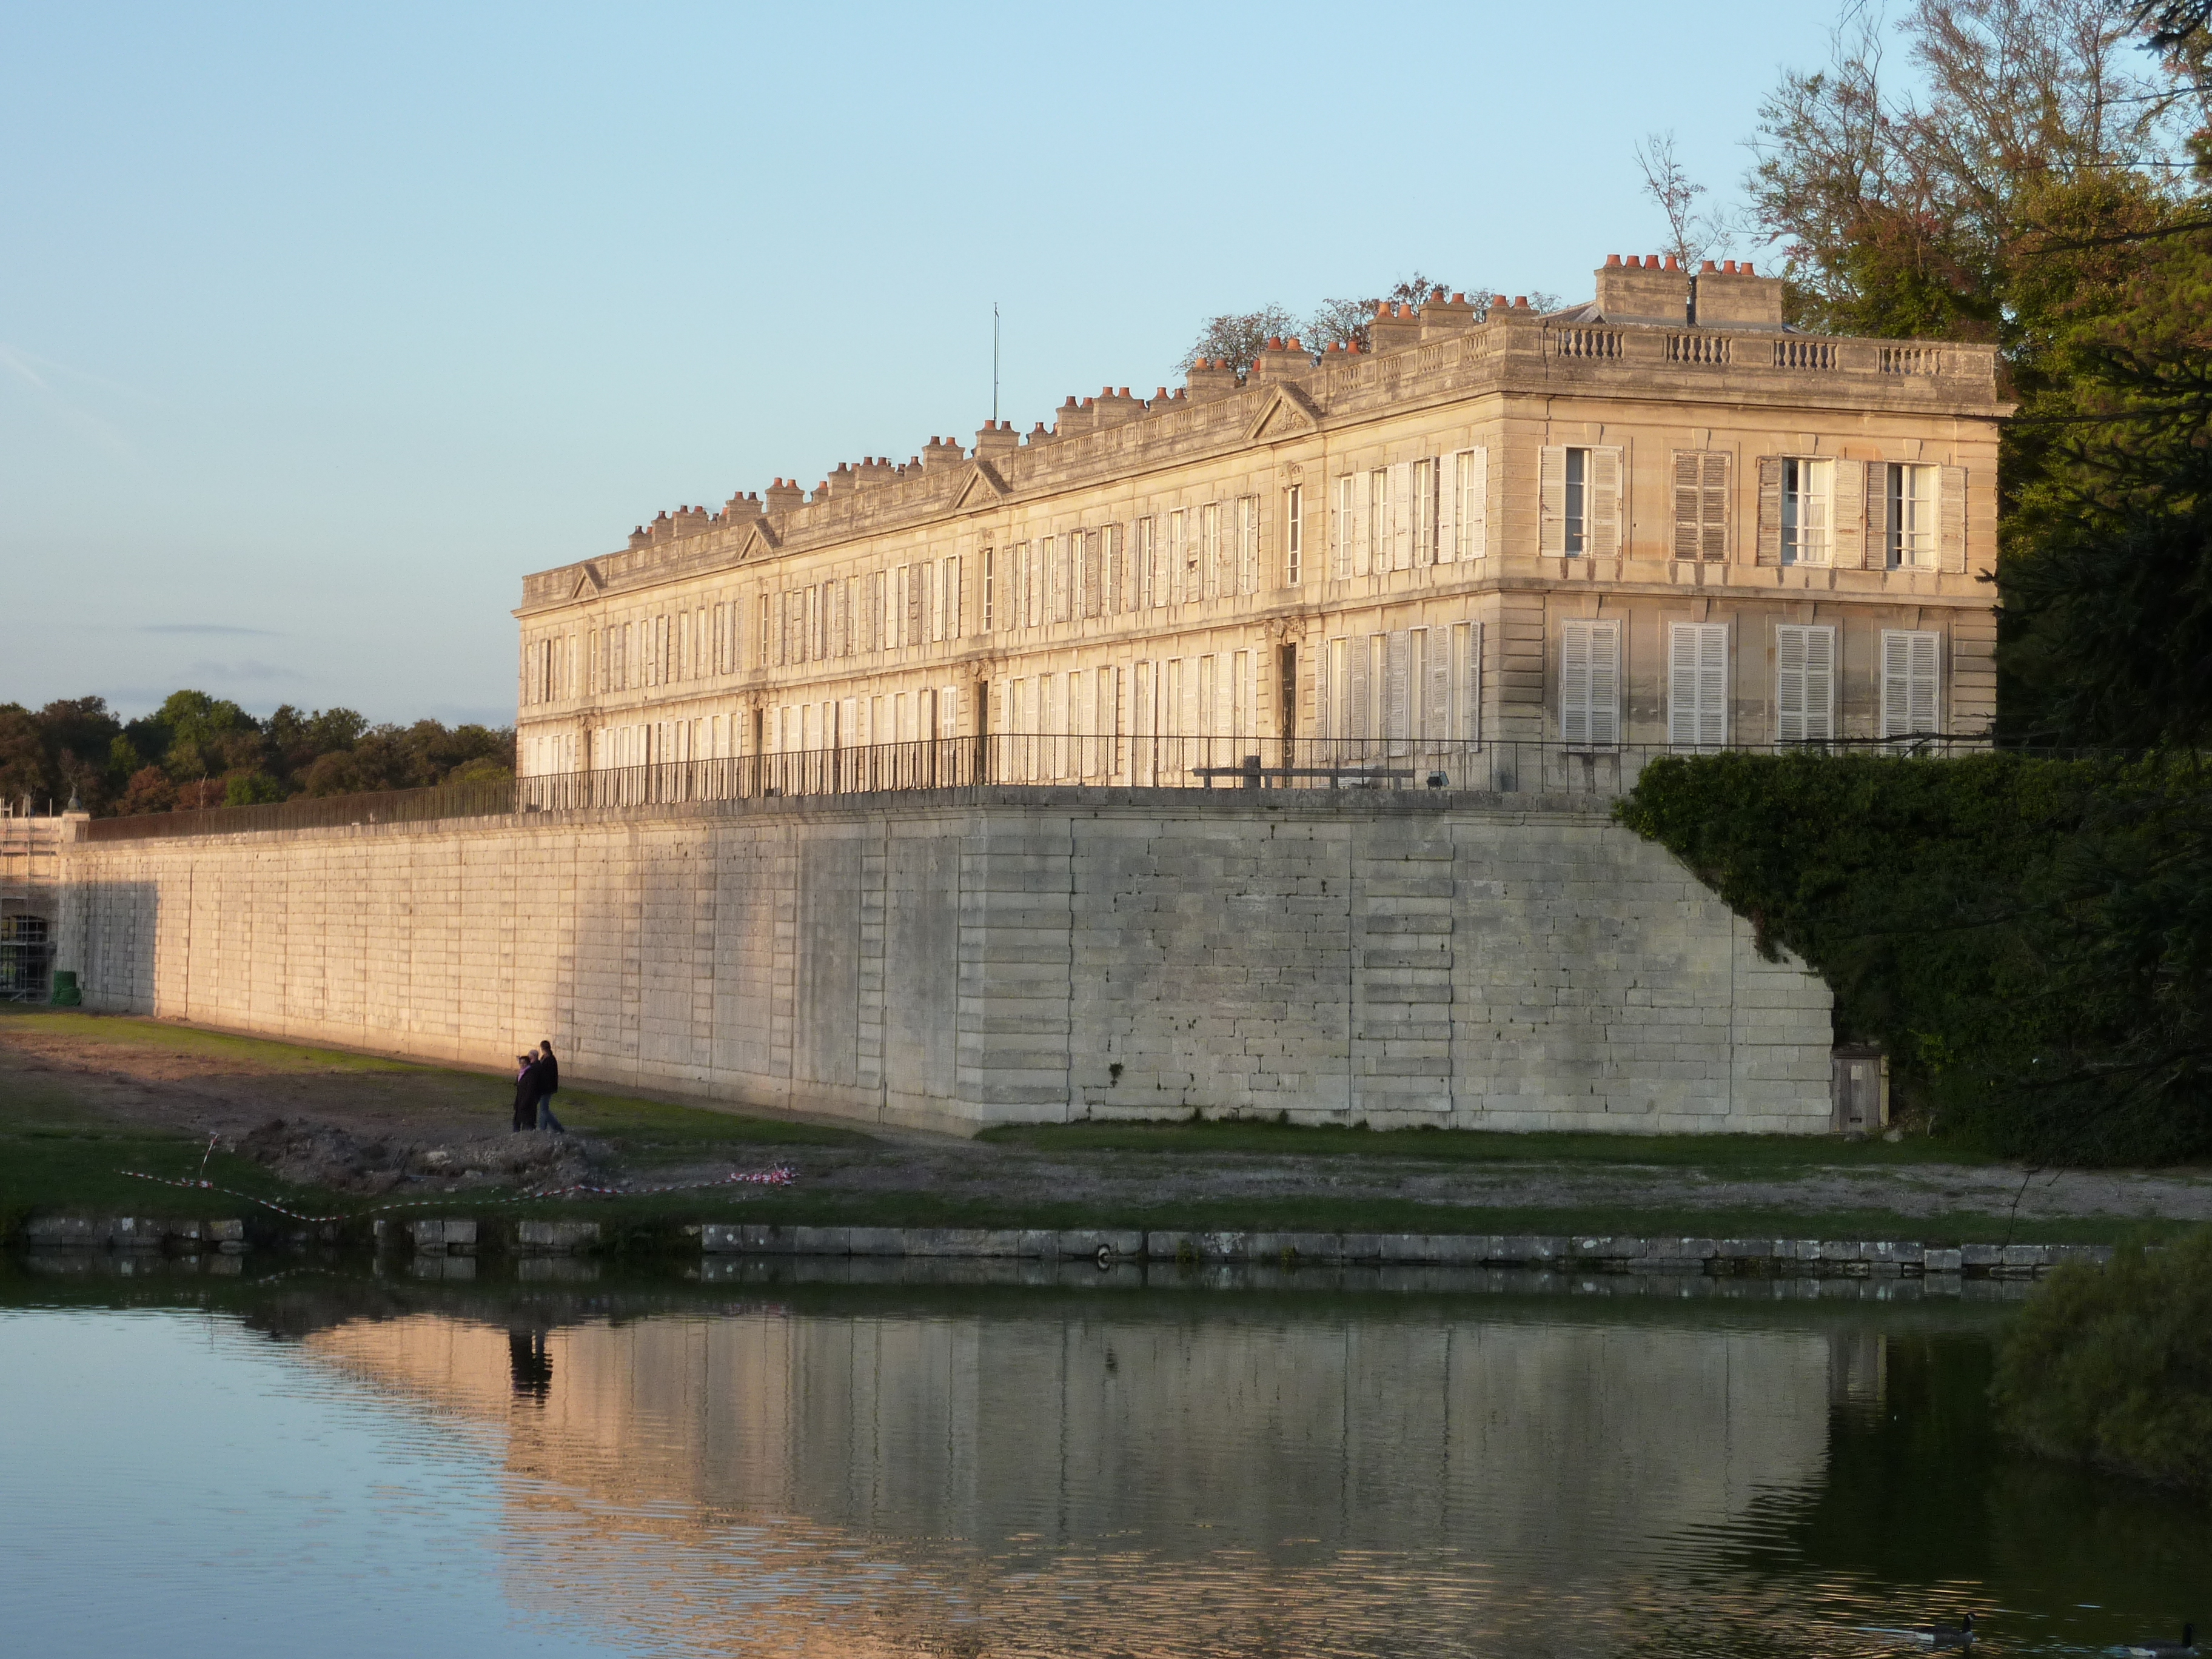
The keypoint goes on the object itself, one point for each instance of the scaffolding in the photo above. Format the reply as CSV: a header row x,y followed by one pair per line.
x,y
30,888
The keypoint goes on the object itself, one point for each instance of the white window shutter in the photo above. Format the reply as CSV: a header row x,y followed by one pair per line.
x,y
1714,504
1447,482
1927,651
1552,499
1820,683
1589,682
1402,516
1347,527
1697,684
1605,683
1363,555
1789,687
1362,699
1467,666
1398,707
1712,684
1770,509
1606,514
1951,520
1689,504
1683,682
1911,668
1847,522
1329,651
1437,684
1474,502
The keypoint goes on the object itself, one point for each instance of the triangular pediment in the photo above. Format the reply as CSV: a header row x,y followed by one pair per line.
x,y
982,487
759,540
1289,414
588,581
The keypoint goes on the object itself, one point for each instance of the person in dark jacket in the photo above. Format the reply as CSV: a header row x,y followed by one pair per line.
x,y
549,1084
527,1083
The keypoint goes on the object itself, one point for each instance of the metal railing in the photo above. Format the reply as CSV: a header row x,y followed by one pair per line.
x,y
1501,766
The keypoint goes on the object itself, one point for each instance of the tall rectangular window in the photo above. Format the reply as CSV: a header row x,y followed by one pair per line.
x,y
1701,504
1579,495
1155,586
1470,503
1182,562
1576,511
1293,534
1424,511
1379,516
1697,684
1112,577
1909,516
990,589
1347,525
1912,667
1209,550
1809,490
1248,543
1804,685
1589,684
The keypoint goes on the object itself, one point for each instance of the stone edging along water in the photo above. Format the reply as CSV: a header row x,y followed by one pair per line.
x,y
1585,1252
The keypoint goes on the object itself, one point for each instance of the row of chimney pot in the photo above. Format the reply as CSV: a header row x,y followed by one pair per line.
x,y
1392,327
1650,262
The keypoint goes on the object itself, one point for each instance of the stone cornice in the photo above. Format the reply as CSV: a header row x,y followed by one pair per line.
x,y
1515,356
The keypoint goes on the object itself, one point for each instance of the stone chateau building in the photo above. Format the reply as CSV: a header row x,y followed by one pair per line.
x,y
1659,518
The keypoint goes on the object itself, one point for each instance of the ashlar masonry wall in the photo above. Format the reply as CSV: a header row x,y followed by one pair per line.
x,y
978,956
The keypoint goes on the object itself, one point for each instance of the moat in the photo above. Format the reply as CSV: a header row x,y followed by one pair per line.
x,y
320,1458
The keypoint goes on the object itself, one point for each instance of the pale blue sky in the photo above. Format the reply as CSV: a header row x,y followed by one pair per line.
x,y
320,325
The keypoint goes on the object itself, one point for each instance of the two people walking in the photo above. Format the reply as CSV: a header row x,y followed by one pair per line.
x,y
535,1086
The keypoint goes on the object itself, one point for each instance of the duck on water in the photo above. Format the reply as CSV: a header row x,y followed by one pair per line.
x,y
2185,1648
1933,1636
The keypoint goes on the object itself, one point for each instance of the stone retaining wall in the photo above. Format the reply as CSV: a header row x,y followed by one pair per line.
x,y
971,957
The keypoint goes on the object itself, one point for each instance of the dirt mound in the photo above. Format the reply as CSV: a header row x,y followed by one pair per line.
x,y
313,1154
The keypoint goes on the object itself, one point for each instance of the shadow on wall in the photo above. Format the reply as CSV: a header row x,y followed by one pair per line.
x,y
109,934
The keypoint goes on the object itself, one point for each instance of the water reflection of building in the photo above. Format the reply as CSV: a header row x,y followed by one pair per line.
x,y
1557,1465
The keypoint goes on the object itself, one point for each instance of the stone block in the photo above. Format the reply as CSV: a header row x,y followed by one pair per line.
x,y
432,1235
1943,1261
561,1237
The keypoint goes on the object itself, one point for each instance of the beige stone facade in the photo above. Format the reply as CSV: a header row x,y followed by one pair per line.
x,y
1609,526
960,958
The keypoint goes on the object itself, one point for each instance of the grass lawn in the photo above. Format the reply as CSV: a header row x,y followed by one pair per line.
x,y
59,1154
1736,1155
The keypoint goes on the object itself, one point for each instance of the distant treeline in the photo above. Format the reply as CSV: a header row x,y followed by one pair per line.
x,y
197,751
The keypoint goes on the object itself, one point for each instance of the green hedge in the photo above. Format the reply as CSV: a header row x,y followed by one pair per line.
x,y
2031,940
2114,1365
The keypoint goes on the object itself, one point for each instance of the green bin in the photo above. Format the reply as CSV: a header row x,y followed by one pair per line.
x,y
66,994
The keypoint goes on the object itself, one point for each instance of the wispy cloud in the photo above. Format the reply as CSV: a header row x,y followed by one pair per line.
x,y
207,628
14,362
249,668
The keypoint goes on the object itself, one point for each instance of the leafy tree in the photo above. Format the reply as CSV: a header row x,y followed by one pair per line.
x,y
250,789
22,756
2037,194
150,789
1237,337
1344,322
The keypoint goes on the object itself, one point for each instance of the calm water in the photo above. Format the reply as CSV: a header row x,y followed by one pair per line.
x,y
336,1464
